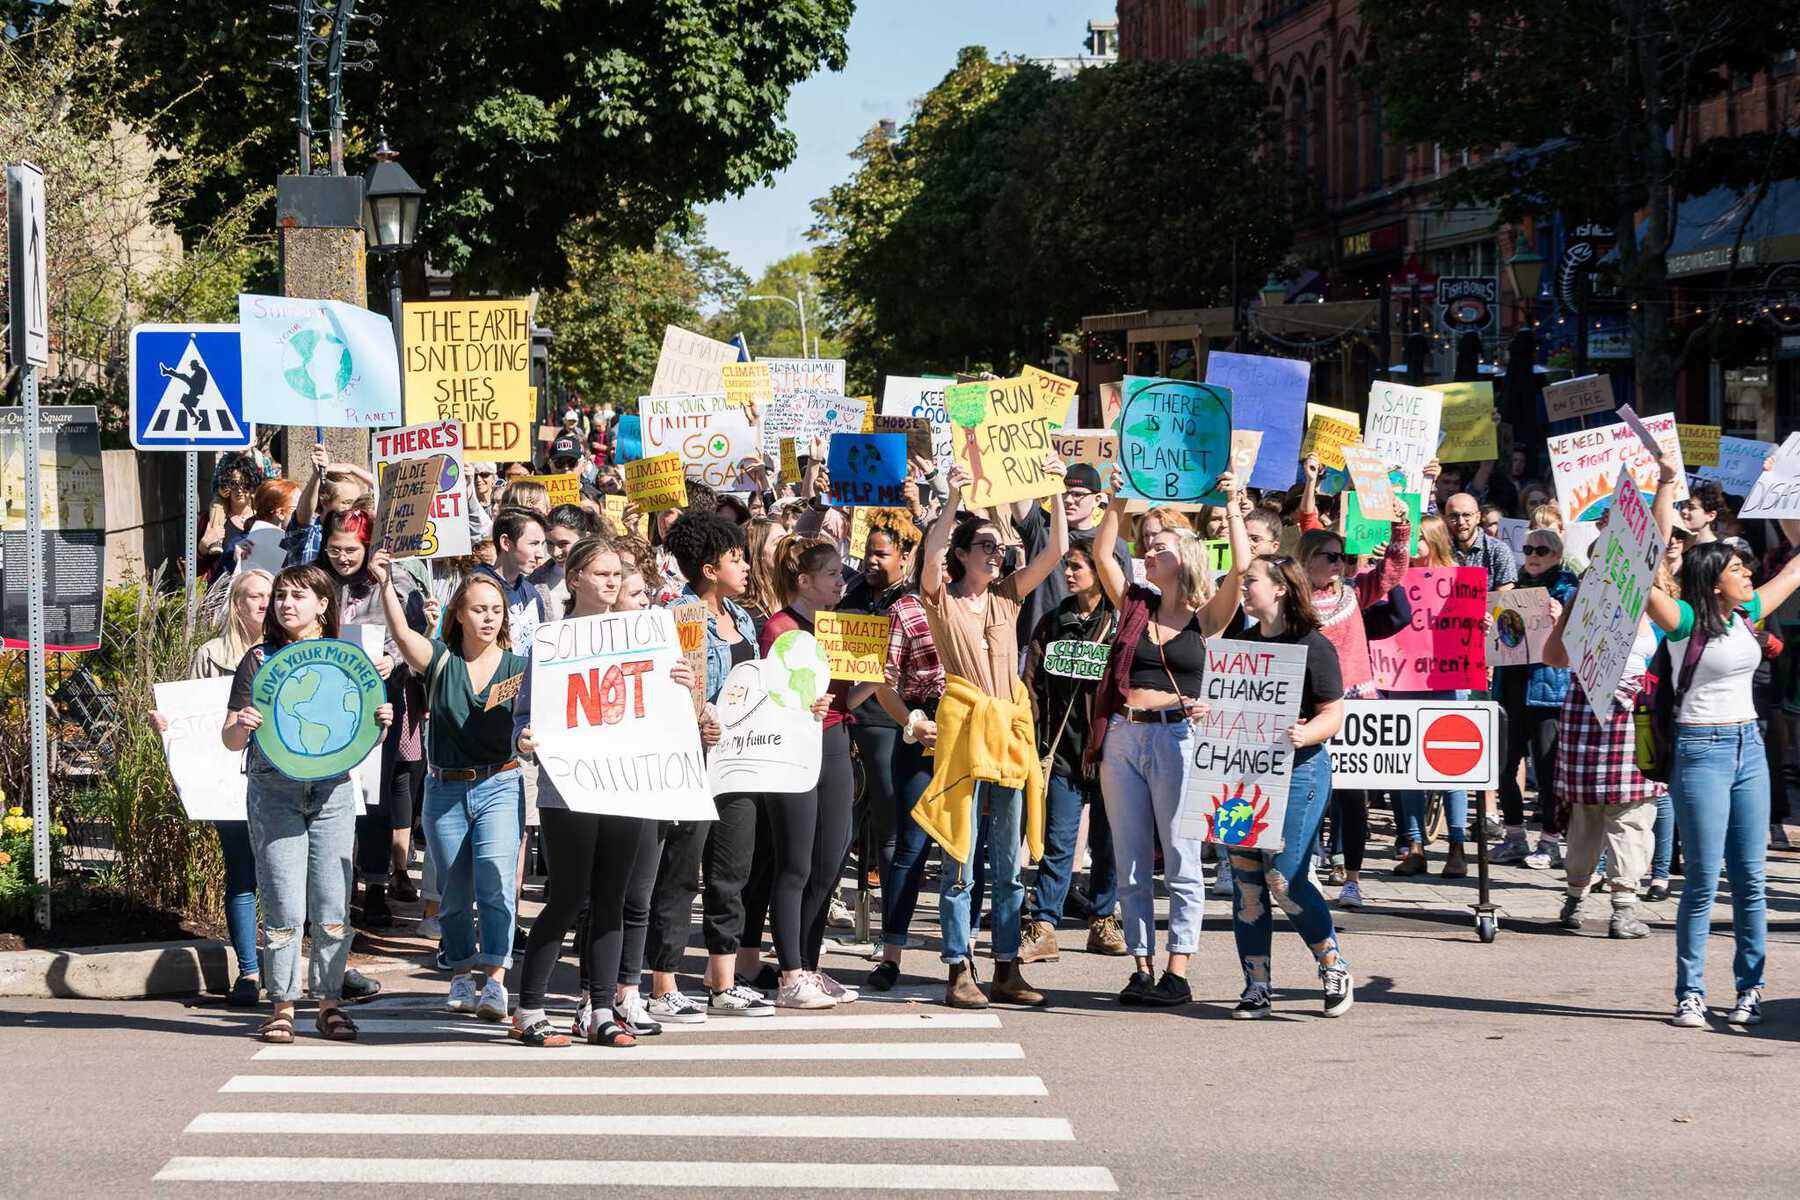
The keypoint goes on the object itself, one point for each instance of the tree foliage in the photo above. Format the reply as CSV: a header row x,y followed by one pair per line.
x,y
772,330
1013,204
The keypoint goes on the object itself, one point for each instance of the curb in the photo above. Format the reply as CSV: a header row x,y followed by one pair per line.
x,y
130,972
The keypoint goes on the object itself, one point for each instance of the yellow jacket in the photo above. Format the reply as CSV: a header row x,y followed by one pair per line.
x,y
981,739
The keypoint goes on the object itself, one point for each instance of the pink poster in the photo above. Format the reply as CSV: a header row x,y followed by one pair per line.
x,y
1443,646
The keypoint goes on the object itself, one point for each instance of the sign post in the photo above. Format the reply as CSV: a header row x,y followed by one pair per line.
x,y
29,287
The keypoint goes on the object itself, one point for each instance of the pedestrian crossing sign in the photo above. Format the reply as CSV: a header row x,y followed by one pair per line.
x,y
187,388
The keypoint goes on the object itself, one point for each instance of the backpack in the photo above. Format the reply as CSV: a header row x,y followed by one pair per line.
x,y
1658,703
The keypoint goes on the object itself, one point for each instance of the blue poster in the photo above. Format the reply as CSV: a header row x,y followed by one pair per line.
x,y
867,469
1174,441
187,388
630,446
1269,394
318,362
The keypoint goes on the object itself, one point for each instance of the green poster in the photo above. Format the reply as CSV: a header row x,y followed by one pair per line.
x,y
1363,536
318,700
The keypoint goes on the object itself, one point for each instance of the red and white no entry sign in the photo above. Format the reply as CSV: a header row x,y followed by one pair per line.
x,y
1453,746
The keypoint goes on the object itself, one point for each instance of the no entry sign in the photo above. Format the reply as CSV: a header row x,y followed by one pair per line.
x,y
1417,744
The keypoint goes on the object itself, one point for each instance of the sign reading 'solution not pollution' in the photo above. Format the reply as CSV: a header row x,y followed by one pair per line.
x,y
1174,441
1442,647
1237,793
470,360
614,731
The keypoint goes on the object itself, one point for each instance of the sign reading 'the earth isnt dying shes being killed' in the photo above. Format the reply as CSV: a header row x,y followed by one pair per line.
x,y
470,360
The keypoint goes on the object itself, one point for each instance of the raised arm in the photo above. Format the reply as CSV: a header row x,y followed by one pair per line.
x,y
1309,497
1774,593
1218,611
1662,508
1106,538
1050,557
415,650
937,538
308,502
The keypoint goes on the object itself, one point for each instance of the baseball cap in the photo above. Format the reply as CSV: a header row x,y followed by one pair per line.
x,y
565,446
1083,475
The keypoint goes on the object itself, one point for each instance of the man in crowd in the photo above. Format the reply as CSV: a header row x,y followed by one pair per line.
x,y
1474,548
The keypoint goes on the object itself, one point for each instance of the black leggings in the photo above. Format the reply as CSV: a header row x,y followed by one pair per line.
x,y
590,861
1349,825
811,832
637,909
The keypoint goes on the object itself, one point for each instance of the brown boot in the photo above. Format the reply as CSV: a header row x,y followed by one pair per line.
x,y
962,991
1037,942
1455,865
1010,986
1106,936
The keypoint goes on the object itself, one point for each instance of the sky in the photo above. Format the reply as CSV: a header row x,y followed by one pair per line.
x,y
899,49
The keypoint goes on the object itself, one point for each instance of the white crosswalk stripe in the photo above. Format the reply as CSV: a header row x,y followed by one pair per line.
x,y
360,1124
726,1025
638,1085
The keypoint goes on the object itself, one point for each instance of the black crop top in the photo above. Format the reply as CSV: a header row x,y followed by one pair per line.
x,y
1185,654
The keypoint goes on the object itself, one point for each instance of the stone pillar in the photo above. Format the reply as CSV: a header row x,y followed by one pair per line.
x,y
323,257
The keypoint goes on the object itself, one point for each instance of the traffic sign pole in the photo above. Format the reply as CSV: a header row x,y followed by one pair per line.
x,y
190,551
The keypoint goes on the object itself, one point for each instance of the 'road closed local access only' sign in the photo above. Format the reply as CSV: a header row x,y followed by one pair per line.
x,y
1417,744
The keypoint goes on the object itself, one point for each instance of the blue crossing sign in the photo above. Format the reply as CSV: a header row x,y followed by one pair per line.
x,y
187,388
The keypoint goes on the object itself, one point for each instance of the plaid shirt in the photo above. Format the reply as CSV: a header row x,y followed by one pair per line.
x,y
1489,552
913,667
302,543
1596,763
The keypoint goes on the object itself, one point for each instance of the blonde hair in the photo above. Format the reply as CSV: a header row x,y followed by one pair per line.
x,y
799,554
1546,516
1195,578
525,493
232,632
1434,543
760,595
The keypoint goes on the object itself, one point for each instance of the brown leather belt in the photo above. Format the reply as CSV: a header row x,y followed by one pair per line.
x,y
470,774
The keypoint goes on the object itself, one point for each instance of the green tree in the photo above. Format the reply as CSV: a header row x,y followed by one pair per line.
x,y
772,330
1589,108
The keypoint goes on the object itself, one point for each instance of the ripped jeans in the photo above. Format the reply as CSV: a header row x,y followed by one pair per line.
x,y
1258,877
302,834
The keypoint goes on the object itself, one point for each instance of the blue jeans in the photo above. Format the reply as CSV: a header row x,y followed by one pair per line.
x,y
1662,861
1002,812
1412,804
1144,777
912,845
1056,871
473,830
1720,786
303,835
240,892
1259,877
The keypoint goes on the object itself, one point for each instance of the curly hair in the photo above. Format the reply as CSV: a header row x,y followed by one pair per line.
x,y
702,539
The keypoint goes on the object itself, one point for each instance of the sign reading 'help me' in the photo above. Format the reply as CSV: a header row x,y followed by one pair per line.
x,y
1413,743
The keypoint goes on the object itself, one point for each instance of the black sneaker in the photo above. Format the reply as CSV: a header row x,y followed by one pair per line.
x,y
1340,990
1170,991
245,993
766,980
358,986
1142,983
375,911
883,978
521,935
1254,1004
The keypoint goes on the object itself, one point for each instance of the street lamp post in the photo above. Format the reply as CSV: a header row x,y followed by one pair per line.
x,y
798,303
391,200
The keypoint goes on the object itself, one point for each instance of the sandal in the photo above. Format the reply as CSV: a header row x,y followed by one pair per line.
x,y
277,1031
539,1033
611,1034
335,1025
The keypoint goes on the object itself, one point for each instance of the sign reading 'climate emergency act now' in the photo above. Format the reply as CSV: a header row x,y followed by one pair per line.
x,y
1416,744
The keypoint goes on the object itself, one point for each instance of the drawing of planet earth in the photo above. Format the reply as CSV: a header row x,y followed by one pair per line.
x,y
796,672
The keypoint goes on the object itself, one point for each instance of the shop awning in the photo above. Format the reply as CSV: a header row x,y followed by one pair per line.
x,y
1707,225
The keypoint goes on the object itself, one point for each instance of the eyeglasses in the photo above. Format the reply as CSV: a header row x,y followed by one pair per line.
x,y
984,547
1330,556
1535,551
1077,497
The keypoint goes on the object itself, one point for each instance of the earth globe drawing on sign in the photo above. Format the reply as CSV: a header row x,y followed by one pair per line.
x,y
796,672
318,699
318,710
317,364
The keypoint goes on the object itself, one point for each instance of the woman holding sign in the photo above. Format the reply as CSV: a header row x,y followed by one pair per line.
x,y
1142,736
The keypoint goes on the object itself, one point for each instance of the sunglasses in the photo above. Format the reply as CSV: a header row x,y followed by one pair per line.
x,y
1536,551
1330,556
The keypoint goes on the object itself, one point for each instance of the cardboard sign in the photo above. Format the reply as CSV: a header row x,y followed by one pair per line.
x,y
905,396
771,742
1442,647
690,634
1057,398
1522,622
1328,431
711,434
653,484
1237,793
1585,465
1777,490
867,468
804,376
1403,430
1174,441
855,645
1417,744
318,362
1098,448
614,732
747,385
470,361
564,488
504,692
1468,422
690,363
1740,464
1578,397
1603,617
1001,441
1374,490
1699,444
209,778
917,430
1268,396
318,700
789,470
1074,658
448,528
1364,534
1246,444
409,488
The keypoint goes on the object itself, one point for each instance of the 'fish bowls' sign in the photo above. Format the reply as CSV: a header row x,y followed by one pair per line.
x,y
318,700
771,741
1174,441
1073,658
614,731
1237,794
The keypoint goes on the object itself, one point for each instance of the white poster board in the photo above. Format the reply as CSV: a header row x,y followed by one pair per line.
x,y
1585,465
798,376
690,362
1776,492
711,434
771,741
1417,744
1237,793
614,732
448,529
907,396
1521,623
209,778
1603,617
1402,428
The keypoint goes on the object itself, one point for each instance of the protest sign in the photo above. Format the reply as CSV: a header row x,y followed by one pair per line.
x,y
1112,399
318,700
1414,744
788,470
1000,441
917,431
905,396
1058,401
747,385
470,361
866,468
865,519
1579,537
1174,441
1365,534
1468,422
1512,532
614,732
71,503
1578,397
1699,445
1246,444
1645,437
1403,429
264,550
690,635
855,644
690,363
771,743
1740,464
1585,464
630,438
409,488
1098,448
653,484
1237,793
711,434
209,778
614,507
1374,490
564,488
823,414
1521,623
1268,395
317,362
1074,658
868,421
448,528
804,376
1328,431
1603,617
1776,493
1442,647
1218,555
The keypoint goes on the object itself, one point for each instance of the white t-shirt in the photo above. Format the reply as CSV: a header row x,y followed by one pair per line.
x,y
1719,692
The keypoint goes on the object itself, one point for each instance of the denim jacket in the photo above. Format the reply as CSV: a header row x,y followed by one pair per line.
x,y
1545,687
718,653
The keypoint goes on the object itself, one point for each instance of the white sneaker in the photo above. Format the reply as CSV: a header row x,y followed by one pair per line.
x,y
1351,897
462,995
1552,846
839,916
677,1009
492,1006
1540,859
803,993
1690,1013
1221,885
430,930
634,1015
739,1001
834,989
1748,1009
